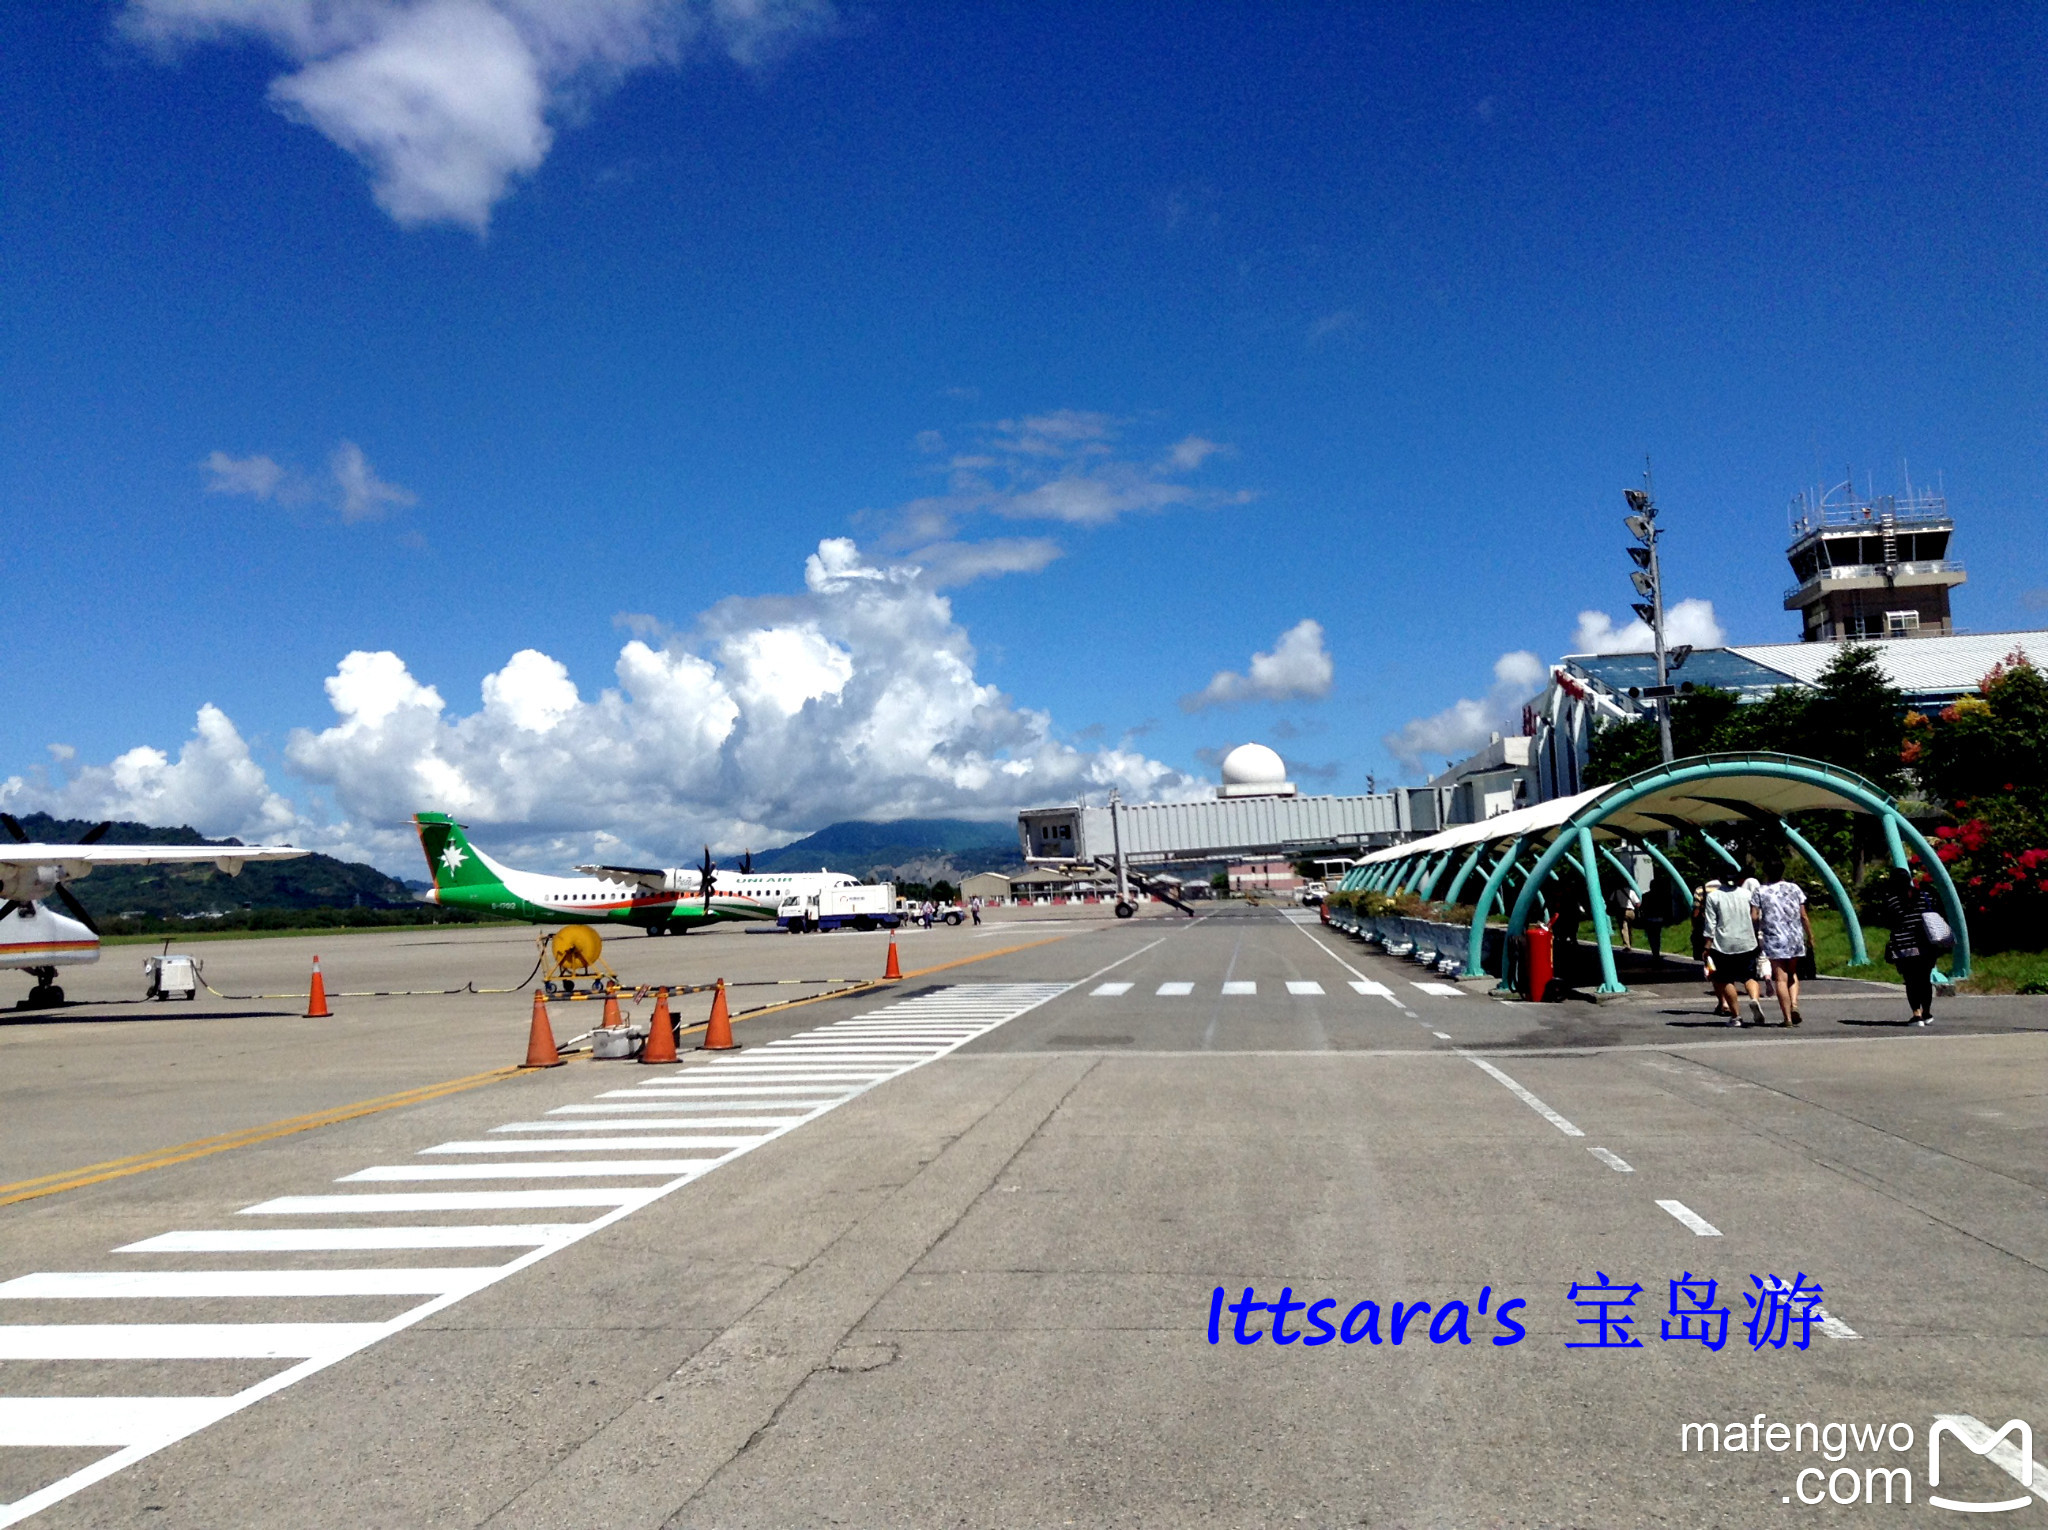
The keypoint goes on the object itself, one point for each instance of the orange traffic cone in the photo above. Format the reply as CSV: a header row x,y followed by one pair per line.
x,y
611,1009
895,968
718,1029
540,1041
316,1000
660,1046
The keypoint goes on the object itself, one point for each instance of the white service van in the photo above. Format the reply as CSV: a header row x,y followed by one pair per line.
x,y
832,908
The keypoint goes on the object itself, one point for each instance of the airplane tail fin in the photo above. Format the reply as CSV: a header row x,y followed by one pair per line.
x,y
454,863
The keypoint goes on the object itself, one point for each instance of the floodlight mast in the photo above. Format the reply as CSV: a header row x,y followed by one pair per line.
x,y
1642,522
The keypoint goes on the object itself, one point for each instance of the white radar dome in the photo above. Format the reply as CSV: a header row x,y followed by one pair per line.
x,y
1253,770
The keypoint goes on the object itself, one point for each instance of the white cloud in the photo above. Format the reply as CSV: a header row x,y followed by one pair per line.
x,y
952,563
363,495
447,101
1298,666
258,477
213,785
1466,724
1067,465
351,486
855,698
1690,621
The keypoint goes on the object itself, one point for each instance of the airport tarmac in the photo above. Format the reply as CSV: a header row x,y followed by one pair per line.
x,y
948,1251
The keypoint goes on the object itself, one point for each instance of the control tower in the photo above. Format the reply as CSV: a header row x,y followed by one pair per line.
x,y
1871,568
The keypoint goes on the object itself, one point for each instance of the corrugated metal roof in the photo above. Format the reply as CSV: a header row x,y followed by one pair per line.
x,y
1703,802
1926,666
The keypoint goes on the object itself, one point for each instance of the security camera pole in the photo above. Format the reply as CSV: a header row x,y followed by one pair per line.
x,y
1648,580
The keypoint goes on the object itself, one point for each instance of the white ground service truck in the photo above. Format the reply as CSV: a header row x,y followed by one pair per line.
x,y
832,908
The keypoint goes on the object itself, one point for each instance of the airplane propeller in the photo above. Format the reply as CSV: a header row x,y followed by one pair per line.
x,y
706,875
747,864
63,894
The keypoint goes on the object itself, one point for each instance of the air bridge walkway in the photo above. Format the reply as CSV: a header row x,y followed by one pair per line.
x,y
1523,849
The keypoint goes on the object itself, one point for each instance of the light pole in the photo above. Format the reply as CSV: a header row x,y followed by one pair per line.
x,y
1648,578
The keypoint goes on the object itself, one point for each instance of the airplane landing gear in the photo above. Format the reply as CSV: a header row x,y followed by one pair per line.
x,y
1124,910
46,994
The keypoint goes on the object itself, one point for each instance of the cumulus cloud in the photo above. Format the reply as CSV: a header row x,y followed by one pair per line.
x,y
213,784
1690,621
351,486
1466,724
446,102
853,698
1298,666
1069,465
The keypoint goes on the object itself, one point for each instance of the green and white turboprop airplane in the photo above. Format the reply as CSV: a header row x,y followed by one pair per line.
x,y
659,901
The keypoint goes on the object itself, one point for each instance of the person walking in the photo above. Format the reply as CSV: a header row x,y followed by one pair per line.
x,y
1787,931
1730,924
974,907
1913,948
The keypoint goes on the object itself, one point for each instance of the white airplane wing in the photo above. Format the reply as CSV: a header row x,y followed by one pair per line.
x,y
79,859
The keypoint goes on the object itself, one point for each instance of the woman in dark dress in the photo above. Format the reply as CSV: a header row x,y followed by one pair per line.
x,y
1910,949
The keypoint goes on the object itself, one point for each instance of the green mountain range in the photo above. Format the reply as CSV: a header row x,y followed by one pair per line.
x,y
920,848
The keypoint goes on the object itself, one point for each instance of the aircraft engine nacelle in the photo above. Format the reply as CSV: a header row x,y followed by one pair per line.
x,y
25,883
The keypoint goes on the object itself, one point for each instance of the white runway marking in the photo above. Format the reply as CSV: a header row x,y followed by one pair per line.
x,y
666,1168
1700,1226
183,1341
1526,1097
300,1240
1239,988
131,1285
1110,990
1619,1165
1173,990
1441,1035
735,1091
446,1200
648,1123
799,1108
1305,988
56,1422
1371,989
590,1144
1441,990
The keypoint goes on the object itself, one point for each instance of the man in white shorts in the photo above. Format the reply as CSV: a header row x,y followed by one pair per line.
x,y
1731,937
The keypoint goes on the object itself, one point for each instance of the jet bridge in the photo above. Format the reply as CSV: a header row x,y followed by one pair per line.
x,y
1234,828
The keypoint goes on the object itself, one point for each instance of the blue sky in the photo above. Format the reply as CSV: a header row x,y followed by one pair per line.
x,y
1204,322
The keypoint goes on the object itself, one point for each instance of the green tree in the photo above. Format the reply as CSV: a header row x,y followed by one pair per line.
x,y
1853,718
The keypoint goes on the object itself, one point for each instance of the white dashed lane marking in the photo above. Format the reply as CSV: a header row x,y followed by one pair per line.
x,y
1305,989
1620,1166
1110,990
1173,990
1239,989
1441,990
1699,1225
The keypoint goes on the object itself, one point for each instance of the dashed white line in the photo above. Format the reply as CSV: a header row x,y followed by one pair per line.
x,y
1619,1165
1173,990
1239,988
1526,1097
1441,1035
1699,1225
1441,990
302,1240
1110,990
1305,989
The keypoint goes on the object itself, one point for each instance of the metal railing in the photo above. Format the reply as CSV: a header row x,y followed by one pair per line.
x,y
1876,571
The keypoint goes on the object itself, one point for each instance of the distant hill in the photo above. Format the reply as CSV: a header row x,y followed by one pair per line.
x,y
317,881
915,849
